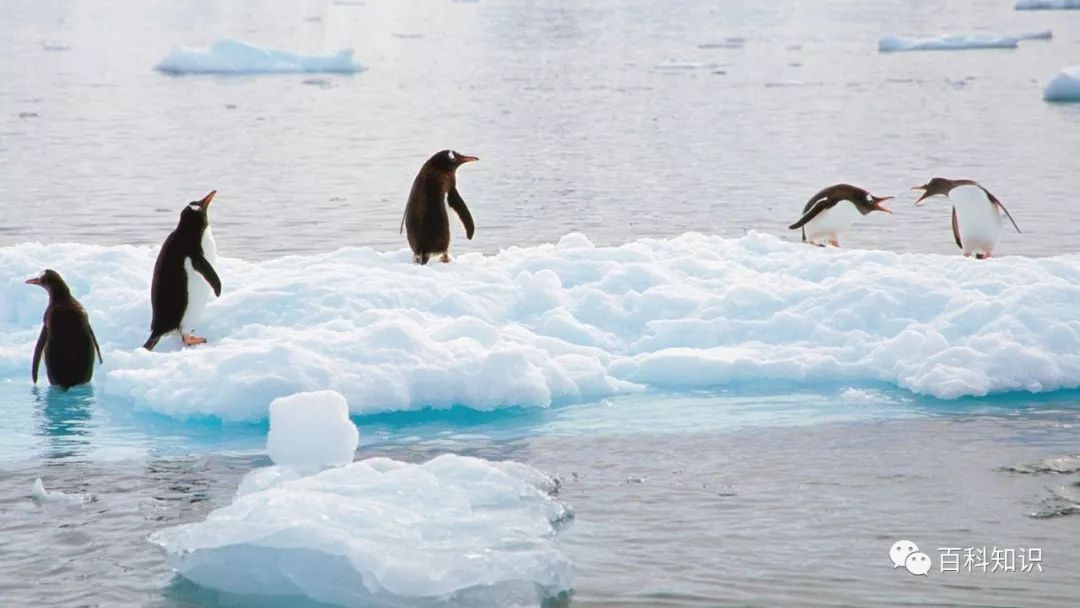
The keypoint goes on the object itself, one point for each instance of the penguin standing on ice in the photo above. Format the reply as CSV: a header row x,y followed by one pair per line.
x,y
184,276
977,221
834,210
426,222
66,338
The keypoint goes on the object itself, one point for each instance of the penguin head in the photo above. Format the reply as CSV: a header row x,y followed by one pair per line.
x,y
449,160
939,186
52,282
196,214
867,203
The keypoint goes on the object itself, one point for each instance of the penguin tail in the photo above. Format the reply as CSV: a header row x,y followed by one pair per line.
x,y
152,342
980,256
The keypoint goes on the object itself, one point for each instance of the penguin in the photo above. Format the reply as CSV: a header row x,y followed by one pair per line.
x,y
977,221
66,338
833,210
184,276
425,221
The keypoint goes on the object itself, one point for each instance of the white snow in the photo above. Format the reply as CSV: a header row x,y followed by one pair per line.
x,y
311,429
235,57
1046,5
893,44
451,531
564,323
1065,86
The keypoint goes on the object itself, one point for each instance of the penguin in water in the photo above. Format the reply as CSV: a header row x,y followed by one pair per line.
x,y
977,222
184,276
66,338
425,222
834,210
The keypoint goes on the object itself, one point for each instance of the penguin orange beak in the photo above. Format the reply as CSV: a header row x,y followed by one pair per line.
x,y
205,202
33,281
467,159
881,199
925,195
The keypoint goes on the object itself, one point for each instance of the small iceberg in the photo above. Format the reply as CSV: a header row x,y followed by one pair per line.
x,y
235,57
1065,86
453,531
1047,5
960,42
309,429
41,496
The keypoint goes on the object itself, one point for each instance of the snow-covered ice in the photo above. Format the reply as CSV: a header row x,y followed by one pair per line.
x,y
452,531
1046,5
308,429
893,44
1065,86
564,323
235,57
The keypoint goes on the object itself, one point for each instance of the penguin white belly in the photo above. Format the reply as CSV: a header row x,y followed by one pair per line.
x,y
828,224
198,289
978,220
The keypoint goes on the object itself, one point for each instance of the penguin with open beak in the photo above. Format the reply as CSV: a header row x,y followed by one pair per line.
x,y
833,210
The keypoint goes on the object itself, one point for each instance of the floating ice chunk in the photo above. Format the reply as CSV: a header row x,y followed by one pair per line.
x,y
451,531
1047,5
311,429
235,57
893,44
41,496
1065,86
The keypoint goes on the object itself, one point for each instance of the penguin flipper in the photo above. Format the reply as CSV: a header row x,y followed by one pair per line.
x,y
402,228
38,349
96,347
812,211
203,267
956,229
1007,214
458,205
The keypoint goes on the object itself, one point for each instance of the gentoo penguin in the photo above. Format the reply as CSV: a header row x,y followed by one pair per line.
x,y
425,221
66,336
833,210
977,225
184,275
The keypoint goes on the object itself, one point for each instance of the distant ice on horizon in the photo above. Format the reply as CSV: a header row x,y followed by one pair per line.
x,y
228,56
1065,86
1047,5
957,42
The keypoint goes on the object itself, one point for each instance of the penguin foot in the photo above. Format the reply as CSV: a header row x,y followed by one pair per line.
x,y
420,258
445,258
834,243
191,340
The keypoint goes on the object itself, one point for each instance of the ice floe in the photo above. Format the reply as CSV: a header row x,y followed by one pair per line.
x,y
453,531
309,429
893,44
235,57
41,496
1047,5
564,323
1065,86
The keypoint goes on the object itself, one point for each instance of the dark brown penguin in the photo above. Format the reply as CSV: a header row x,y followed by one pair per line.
x,y
833,210
977,221
184,275
426,222
66,338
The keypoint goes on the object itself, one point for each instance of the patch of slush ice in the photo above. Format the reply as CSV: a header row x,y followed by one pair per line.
x,y
453,531
41,495
564,323
1047,5
893,44
310,429
235,57
1065,86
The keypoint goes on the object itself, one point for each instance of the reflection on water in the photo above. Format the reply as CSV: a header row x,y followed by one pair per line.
x,y
64,419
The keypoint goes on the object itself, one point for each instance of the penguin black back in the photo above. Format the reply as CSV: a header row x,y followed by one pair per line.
x,y
426,222
169,287
66,339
